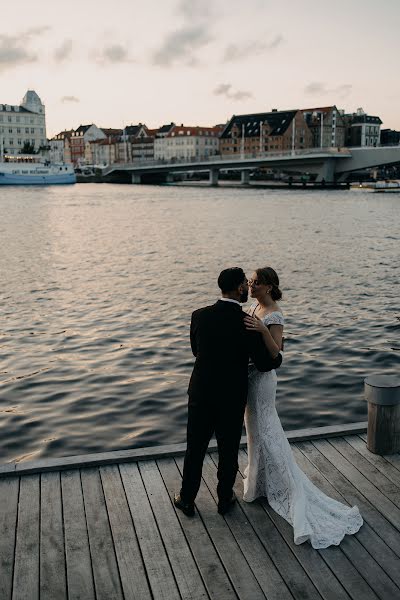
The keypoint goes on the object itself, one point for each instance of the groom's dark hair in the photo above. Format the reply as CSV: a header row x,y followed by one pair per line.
x,y
230,279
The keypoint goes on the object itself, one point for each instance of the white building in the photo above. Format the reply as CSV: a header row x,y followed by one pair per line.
x,y
25,123
187,143
362,129
59,147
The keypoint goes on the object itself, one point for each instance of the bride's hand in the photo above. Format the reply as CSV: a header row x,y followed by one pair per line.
x,y
254,324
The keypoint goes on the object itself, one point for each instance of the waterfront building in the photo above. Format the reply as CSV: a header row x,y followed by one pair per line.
x,y
390,137
60,150
78,140
256,133
327,126
23,123
362,129
187,143
136,143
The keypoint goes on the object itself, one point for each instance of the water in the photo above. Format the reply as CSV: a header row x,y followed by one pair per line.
x,y
98,283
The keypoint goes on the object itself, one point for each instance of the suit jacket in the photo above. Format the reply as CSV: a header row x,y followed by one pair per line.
x,y
222,346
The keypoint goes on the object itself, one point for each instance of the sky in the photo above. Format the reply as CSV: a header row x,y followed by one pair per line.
x,y
198,62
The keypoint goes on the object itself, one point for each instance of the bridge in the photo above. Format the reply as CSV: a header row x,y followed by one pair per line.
x,y
328,164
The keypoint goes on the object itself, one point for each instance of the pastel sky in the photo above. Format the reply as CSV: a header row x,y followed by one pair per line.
x,y
198,61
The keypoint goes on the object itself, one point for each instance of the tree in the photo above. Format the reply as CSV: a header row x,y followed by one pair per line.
x,y
27,148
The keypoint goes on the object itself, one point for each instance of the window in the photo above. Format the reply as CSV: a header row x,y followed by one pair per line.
x,y
26,129
9,119
32,130
11,142
10,130
18,129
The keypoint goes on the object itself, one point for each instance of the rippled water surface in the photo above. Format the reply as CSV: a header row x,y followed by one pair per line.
x,y
98,283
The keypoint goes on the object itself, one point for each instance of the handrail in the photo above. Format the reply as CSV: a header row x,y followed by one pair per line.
x,y
224,158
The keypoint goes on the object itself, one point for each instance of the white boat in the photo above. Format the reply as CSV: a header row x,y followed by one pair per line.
x,y
387,186
18,170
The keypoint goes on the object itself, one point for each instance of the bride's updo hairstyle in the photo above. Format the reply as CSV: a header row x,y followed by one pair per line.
x,y
267,276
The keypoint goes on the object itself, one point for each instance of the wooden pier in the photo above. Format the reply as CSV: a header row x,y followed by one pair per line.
x,y
104,527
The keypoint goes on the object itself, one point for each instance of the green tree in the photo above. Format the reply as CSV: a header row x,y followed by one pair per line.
x,y
27,148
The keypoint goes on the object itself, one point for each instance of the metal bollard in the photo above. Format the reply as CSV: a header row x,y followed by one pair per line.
x,y
382,393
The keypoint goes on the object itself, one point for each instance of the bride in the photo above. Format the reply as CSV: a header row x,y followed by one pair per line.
x,y
272,471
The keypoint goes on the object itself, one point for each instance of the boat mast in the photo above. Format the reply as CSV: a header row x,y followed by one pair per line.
x,y
1,144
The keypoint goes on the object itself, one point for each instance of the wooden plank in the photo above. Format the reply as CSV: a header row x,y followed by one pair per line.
x,y
267,575
371,541
186,573
315,433
52,555
378,479
379,462
375,496
155,452
9,490
235,564
286,564
208,562
26,568
131,568
7,469
77,553
325,568
159,572
370,513
104,563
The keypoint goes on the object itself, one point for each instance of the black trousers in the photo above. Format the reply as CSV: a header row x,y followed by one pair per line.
x,y
204,419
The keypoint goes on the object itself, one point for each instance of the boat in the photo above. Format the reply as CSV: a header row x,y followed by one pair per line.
x,y
32,170
387,186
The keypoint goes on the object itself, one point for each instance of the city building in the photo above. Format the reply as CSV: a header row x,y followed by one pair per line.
x,y
60,147
23,124
362,129
390,137
256,133
136,143
78,140
187,143
326,125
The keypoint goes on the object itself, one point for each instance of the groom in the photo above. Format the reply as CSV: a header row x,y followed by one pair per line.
x,y
218,388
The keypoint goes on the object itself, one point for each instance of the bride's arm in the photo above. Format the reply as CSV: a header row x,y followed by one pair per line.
x,y
272,337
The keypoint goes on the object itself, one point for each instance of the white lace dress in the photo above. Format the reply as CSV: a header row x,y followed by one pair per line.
x,y
273,473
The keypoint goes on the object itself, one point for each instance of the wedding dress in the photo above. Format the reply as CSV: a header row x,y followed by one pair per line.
x,y
273,473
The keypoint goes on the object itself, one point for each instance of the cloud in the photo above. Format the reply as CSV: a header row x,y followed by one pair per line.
x,y
235,52
179,46
14,49
66,99
319,87
195,9
225,89
112,54
63,52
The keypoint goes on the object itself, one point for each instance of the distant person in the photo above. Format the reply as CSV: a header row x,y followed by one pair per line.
x,y
218,387
272,471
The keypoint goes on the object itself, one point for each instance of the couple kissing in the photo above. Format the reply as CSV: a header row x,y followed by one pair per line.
x,y
234,379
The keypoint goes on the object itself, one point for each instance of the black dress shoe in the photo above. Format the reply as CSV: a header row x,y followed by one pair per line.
x,y
225,505
186,508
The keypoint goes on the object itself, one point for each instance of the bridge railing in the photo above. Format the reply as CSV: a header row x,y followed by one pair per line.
x,y
218,158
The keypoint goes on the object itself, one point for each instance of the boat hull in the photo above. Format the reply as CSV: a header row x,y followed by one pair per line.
x,y
62,179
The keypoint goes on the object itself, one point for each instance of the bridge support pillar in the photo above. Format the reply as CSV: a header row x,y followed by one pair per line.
x,y
136,178
327,171
214,176
245,177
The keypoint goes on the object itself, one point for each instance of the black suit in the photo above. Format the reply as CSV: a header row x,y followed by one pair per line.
x,y
218,391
